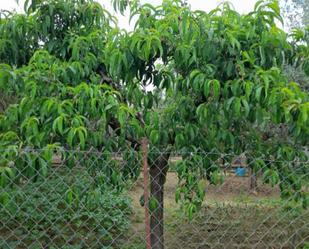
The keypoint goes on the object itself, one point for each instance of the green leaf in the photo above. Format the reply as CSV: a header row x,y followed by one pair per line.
x,y
4,198
179,140
258,93
216,177
191,209
154,137
246,106
237,106
43,167
122,116
153,204
216,89
69,196
207,85
202,112
70,137
81,137
9,172
304,114
58,124
248,89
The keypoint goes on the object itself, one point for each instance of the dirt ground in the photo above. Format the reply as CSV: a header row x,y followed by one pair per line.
x,y
232,216
233,188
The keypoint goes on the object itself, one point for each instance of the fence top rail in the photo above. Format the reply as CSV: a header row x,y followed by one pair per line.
x,y
174,155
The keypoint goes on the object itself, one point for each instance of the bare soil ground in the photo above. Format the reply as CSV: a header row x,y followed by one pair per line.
x,y
232,216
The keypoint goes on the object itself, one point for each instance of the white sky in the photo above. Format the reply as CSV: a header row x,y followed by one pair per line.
x,y
242,6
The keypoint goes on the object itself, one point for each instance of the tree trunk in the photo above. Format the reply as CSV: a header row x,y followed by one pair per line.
x,y
158,170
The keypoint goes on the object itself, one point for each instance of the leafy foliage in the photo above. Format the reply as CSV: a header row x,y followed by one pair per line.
x,y
82,83
38,212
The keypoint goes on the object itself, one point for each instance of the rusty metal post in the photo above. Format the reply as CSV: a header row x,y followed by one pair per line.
x,y
146,191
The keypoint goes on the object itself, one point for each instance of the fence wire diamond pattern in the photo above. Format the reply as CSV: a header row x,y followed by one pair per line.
x,y
95,199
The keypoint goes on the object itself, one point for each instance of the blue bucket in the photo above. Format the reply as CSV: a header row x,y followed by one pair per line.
x,y
240,171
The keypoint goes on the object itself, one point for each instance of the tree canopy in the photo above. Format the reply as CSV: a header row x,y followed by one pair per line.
x,y
188,80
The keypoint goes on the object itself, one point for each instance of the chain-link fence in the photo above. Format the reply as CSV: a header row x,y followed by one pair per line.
x,y
90,199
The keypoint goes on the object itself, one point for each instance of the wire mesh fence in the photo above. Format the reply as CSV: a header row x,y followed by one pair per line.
x,y
91,199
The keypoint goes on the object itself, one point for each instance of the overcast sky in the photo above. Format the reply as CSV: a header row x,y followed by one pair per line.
x,y
242,6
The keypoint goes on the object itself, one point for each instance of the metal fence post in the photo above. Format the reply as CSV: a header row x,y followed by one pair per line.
x,y
146,191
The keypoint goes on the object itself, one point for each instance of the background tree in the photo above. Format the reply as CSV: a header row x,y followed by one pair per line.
x,y
295,13
82,83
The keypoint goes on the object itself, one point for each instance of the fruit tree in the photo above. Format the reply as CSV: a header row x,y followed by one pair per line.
x,y
187,80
